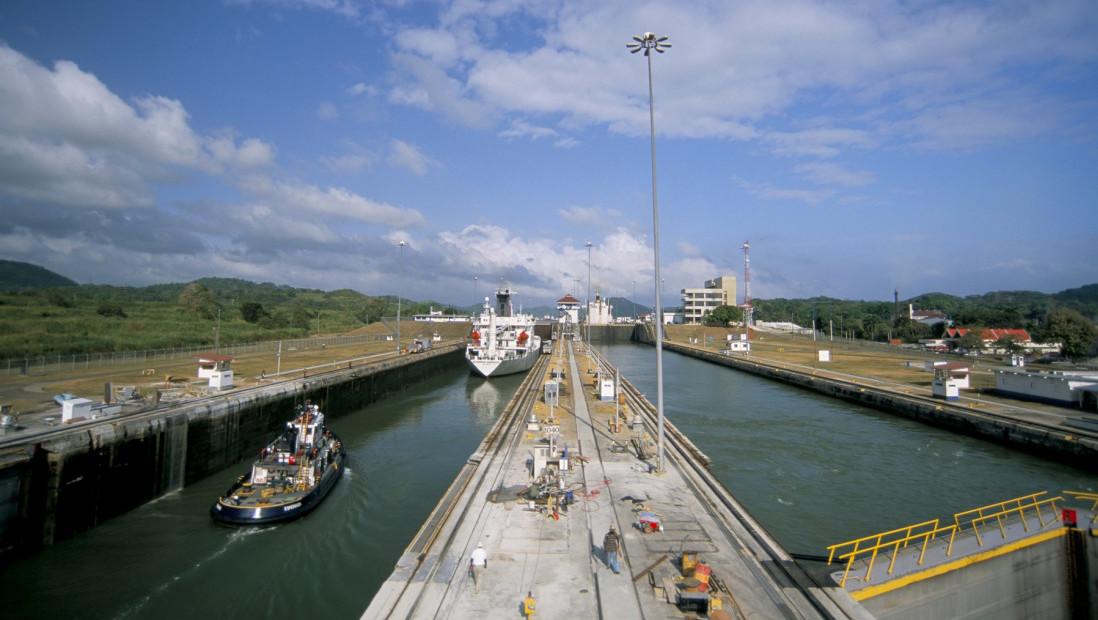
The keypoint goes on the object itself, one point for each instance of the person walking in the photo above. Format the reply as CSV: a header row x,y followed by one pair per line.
x,y
610,544
477,563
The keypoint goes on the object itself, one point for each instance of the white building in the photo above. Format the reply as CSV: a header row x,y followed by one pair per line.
x,y
1060,387
696,302
569,308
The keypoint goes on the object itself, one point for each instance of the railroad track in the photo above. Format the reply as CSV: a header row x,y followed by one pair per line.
x,y
695,465
439,528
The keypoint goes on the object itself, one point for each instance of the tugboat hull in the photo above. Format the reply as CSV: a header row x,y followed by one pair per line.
x,y
229,514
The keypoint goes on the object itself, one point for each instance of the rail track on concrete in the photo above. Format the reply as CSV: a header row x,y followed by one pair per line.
x,y
500,440
695,466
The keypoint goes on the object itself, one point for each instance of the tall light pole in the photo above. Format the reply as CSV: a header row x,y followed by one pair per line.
x,y
476,300
648,42
634,301
400,290
588,293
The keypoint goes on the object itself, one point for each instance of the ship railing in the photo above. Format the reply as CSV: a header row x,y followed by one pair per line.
x,y
869,548
1019,507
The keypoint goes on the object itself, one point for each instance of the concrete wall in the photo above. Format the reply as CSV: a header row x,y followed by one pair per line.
x,y
611,333
75,481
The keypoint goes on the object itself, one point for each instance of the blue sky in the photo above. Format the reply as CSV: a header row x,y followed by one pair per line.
x,y
861,147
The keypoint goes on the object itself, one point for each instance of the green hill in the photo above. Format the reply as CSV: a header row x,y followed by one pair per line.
x,y
16,276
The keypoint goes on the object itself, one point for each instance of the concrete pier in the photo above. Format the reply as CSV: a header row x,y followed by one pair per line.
x,y
509,498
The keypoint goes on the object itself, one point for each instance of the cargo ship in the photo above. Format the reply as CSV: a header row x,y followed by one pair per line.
x,y
503,342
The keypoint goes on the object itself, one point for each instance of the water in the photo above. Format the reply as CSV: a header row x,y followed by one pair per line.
x,y
817,471
812,470
169,560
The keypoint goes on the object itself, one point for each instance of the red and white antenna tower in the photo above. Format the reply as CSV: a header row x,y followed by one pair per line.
x,y
748,315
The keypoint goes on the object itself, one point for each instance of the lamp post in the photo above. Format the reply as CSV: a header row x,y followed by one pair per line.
x,y
400,290
588,293
648,42
634,301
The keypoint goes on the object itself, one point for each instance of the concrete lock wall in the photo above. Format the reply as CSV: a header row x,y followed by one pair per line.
x,y
73,482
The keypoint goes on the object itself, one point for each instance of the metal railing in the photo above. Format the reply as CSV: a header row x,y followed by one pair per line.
x,y
893,540
998,512
868,548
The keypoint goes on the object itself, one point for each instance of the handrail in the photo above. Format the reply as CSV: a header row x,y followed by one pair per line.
x,y
923,533
999,511
893,540
1087,497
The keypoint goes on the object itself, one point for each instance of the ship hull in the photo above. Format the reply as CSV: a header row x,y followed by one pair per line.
x,y
487,367
286,509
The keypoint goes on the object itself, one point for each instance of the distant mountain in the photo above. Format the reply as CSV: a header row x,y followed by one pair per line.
x,y
17,276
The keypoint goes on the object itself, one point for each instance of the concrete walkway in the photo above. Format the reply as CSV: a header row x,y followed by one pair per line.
x,y
556,556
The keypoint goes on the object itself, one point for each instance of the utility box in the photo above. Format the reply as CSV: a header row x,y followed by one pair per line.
x,y
552,393
606,390
221,379
74,408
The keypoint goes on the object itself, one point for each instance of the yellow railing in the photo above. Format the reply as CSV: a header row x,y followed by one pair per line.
x,y
1086,497
923,533
894,540
1013,507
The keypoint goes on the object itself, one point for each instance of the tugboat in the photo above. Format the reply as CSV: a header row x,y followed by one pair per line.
x,y
290,476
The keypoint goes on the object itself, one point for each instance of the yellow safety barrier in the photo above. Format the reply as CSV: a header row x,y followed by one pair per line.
x,y
894,540
1087,497
923,533
979,516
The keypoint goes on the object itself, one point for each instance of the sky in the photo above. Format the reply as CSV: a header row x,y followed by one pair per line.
x,y
861,146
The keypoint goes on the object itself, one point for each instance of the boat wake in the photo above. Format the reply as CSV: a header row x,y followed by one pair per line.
x,y
234,537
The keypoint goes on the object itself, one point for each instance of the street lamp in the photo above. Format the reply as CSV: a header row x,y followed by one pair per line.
x,y
648,42
400,290
588,293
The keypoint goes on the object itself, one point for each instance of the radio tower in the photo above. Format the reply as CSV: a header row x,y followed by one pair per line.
x,y
748,315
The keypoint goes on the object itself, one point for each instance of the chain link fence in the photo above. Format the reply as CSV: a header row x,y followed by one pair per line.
x,y
43,365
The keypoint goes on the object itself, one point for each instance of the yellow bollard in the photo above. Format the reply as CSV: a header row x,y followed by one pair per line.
x,y
528,605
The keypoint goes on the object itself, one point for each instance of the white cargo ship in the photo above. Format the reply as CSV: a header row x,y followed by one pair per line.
x,y
503,343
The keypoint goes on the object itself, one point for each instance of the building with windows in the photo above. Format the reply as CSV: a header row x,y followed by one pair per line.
x,y
696,302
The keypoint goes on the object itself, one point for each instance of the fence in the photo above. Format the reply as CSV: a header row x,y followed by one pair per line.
x,y
44,365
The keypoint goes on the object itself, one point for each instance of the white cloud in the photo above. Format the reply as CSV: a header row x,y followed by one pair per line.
x,y
302,200
347,8
830,173
74,142
589,216
405,155
521,129
327,111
